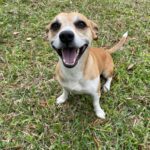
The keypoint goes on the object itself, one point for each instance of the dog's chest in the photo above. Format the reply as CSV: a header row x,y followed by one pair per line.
x,y
77,84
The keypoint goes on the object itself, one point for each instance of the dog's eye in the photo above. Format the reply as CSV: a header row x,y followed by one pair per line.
x,y
80,24
55,26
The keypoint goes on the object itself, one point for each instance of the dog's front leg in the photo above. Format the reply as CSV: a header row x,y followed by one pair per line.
x,y
62,98
98,110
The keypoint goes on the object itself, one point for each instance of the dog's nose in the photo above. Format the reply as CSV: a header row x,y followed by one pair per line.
x,y
66,36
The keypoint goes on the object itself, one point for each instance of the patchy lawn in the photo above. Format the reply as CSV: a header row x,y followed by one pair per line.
x,y
29,118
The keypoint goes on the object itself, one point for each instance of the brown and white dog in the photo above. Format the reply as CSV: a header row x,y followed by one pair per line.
x,y
80,66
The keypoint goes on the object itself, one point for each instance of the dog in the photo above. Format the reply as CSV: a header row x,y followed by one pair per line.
x,y
80,66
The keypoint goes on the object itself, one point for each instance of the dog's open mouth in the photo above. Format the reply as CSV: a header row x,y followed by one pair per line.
x,y
71,55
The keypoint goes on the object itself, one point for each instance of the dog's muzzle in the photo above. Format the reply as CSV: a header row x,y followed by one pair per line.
x,y
69,52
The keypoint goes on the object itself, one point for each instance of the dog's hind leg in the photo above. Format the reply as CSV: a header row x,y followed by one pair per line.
x,y
98,110
62,98
106,86
108,73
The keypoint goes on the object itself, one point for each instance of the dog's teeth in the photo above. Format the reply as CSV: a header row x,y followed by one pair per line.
x,y
64,60
77,51
74,60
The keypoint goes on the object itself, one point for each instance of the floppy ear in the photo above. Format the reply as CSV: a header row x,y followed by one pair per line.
x,y
46,31
47,28
94,29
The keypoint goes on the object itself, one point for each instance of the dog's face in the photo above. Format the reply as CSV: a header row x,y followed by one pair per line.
x,y
70,34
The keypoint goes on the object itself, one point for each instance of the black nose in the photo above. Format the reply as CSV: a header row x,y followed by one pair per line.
x,y
66,36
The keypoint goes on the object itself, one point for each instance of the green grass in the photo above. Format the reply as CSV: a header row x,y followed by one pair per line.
x,y
29,118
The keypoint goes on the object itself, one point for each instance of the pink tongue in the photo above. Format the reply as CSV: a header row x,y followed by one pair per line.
x,y
69,56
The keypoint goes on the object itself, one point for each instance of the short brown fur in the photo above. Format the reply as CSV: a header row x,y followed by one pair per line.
x,y
103,64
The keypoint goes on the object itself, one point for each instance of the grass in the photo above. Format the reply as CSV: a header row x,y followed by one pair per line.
x,y
29,118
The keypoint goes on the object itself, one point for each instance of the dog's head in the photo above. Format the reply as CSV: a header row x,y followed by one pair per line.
x,y
70,34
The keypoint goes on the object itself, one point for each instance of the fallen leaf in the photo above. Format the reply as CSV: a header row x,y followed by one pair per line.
x,y
97,142
132,50
98,122
130,66
43,103
29,39
15,33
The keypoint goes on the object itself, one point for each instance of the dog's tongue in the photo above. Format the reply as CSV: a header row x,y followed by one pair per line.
x,y
69,56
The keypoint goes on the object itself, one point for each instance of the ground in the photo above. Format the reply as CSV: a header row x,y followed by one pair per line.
x,y
29,117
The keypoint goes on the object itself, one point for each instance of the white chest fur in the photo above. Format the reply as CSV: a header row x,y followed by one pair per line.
x,y
75,82
81,86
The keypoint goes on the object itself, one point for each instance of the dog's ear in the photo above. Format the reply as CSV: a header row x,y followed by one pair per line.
x,y
47,28
94,29
46,31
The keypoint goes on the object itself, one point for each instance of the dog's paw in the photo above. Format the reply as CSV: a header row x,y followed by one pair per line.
x,y
100,114
60,100
106,87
